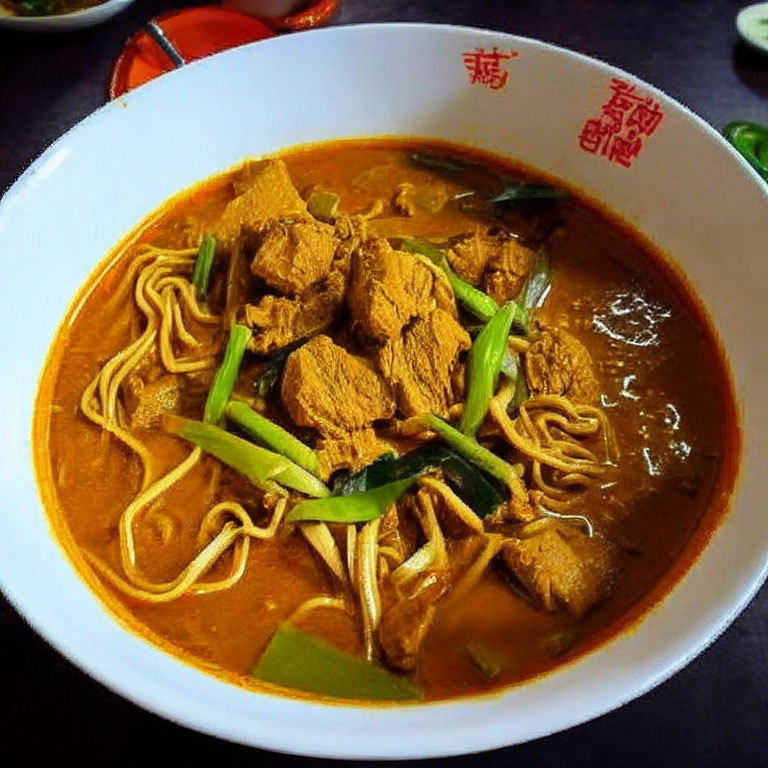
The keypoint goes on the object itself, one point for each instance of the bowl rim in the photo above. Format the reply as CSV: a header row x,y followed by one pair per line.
x,y
477,739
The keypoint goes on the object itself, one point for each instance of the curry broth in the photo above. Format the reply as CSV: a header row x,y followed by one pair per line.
x,y
665,389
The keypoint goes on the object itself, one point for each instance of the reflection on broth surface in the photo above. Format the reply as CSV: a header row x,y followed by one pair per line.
x,y
384,420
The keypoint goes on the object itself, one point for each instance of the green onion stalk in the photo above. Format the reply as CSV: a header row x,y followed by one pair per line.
x,y
224,378
483,366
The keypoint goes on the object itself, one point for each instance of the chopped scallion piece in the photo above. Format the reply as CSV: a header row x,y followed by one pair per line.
x,y
272,435
260,466
353,508
323,205
202,271
537,284
471,450
224,378
296,659
517,191
483,367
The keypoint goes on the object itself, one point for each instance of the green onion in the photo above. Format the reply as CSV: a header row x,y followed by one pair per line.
x,y
487,661
470,484
471,450
751,140
516,191
296,659
354,508
535,288
224,379
521,390
272,435
480,304
483,367
202,271
323,205
260,466
437,162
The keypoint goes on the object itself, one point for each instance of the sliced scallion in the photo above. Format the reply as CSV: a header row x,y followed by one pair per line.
x,y
353,508
483,367
224,378
472,451
260,466
296,659
202,271
272,435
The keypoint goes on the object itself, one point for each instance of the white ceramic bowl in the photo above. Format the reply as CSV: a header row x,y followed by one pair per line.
x,y
63,22
686,189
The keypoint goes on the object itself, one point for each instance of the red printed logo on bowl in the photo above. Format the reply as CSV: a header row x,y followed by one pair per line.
x,y
626,120
487,67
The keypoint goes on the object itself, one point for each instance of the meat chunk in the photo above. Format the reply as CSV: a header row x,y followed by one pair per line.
x,y
326,387
559,364
507,269
353,451
145,402
389,288
264,190
293,255
278,320
405,624
497,260
560,566
423,367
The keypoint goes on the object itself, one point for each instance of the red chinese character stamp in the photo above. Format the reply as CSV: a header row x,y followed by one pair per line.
x,y
486,67
626,120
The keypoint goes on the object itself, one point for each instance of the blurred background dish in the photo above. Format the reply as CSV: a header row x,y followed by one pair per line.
x,y
57,15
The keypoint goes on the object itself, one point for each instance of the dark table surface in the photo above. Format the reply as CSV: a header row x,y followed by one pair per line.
x,y
714,712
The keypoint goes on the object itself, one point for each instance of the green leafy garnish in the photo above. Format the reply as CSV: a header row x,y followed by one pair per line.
x,y
470,484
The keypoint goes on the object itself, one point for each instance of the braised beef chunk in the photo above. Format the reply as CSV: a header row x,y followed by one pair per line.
x,y
146,401
497,260
389,288
468,255
560,566
507,269
293,255
353,451
278,321
327,388
263,190
405,623
557,363
422,365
